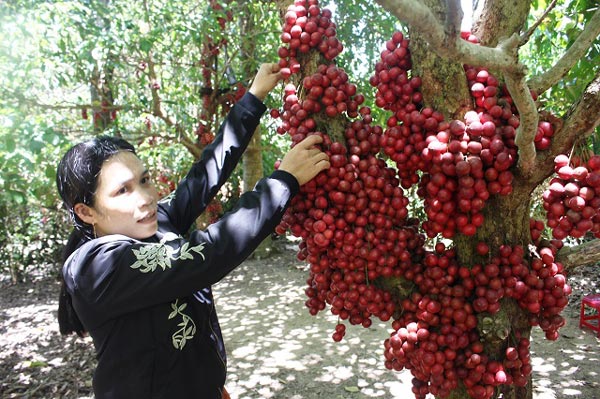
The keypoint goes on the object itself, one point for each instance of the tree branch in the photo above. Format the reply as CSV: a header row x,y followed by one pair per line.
x,y
578,49
503,57
579,122
22,100
525,36
585,254
584,116
525,135
154,89
421,19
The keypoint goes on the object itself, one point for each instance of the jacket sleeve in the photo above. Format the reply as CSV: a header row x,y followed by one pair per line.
x,y
216,164
114,275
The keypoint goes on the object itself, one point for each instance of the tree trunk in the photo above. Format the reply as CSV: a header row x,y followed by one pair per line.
x,y
252,159
101,85
451,97
507,217
252,162
496,20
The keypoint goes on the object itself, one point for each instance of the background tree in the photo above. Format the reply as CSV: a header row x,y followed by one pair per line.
x,y
161,74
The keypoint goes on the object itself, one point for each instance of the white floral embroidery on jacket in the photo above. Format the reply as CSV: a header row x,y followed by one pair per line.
x,y
168,199
188,327
151,256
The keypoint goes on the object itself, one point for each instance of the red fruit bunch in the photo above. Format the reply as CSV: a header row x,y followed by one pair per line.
x,y
572,200
306,27
463,162
352,218
543,137
437,334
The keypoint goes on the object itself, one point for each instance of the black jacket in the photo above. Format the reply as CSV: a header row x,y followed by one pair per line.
x,y
148,304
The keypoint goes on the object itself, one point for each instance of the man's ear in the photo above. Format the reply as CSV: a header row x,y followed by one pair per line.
x,y
85,213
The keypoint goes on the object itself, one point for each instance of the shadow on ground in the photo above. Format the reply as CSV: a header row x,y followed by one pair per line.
x,y
276,348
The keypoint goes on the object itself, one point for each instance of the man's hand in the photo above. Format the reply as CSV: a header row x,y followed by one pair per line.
x,y
304,161
266,79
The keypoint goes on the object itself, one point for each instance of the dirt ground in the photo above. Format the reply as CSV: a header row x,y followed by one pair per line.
x,y
276,348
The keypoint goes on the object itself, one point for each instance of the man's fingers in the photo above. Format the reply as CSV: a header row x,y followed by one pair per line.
x,y
321,156
310,141
313,151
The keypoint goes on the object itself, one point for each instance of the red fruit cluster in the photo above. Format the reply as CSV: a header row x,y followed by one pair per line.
x,y
395,89
340,331
353,217
572,200
213,211
552,292
104,114
356,234
327,91
536,227
165,184
307,27
539,286
482,374
436,336
543,137
464,162
216,100
399,93
214,4
205,136
469,161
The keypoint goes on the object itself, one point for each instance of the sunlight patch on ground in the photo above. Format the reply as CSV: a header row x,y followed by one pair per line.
x,y
547,368
265,365
567,369
335,374
543,366
19,332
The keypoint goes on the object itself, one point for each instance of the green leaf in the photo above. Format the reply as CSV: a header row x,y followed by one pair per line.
x,y
37,363
145,45
51,138
50,172
17,197
11,146
35,146
352,389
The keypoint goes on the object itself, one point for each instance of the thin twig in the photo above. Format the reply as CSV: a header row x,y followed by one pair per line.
x,y
525,36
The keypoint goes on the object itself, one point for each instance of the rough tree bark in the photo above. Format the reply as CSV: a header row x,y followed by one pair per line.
x,y
100,84
252,159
